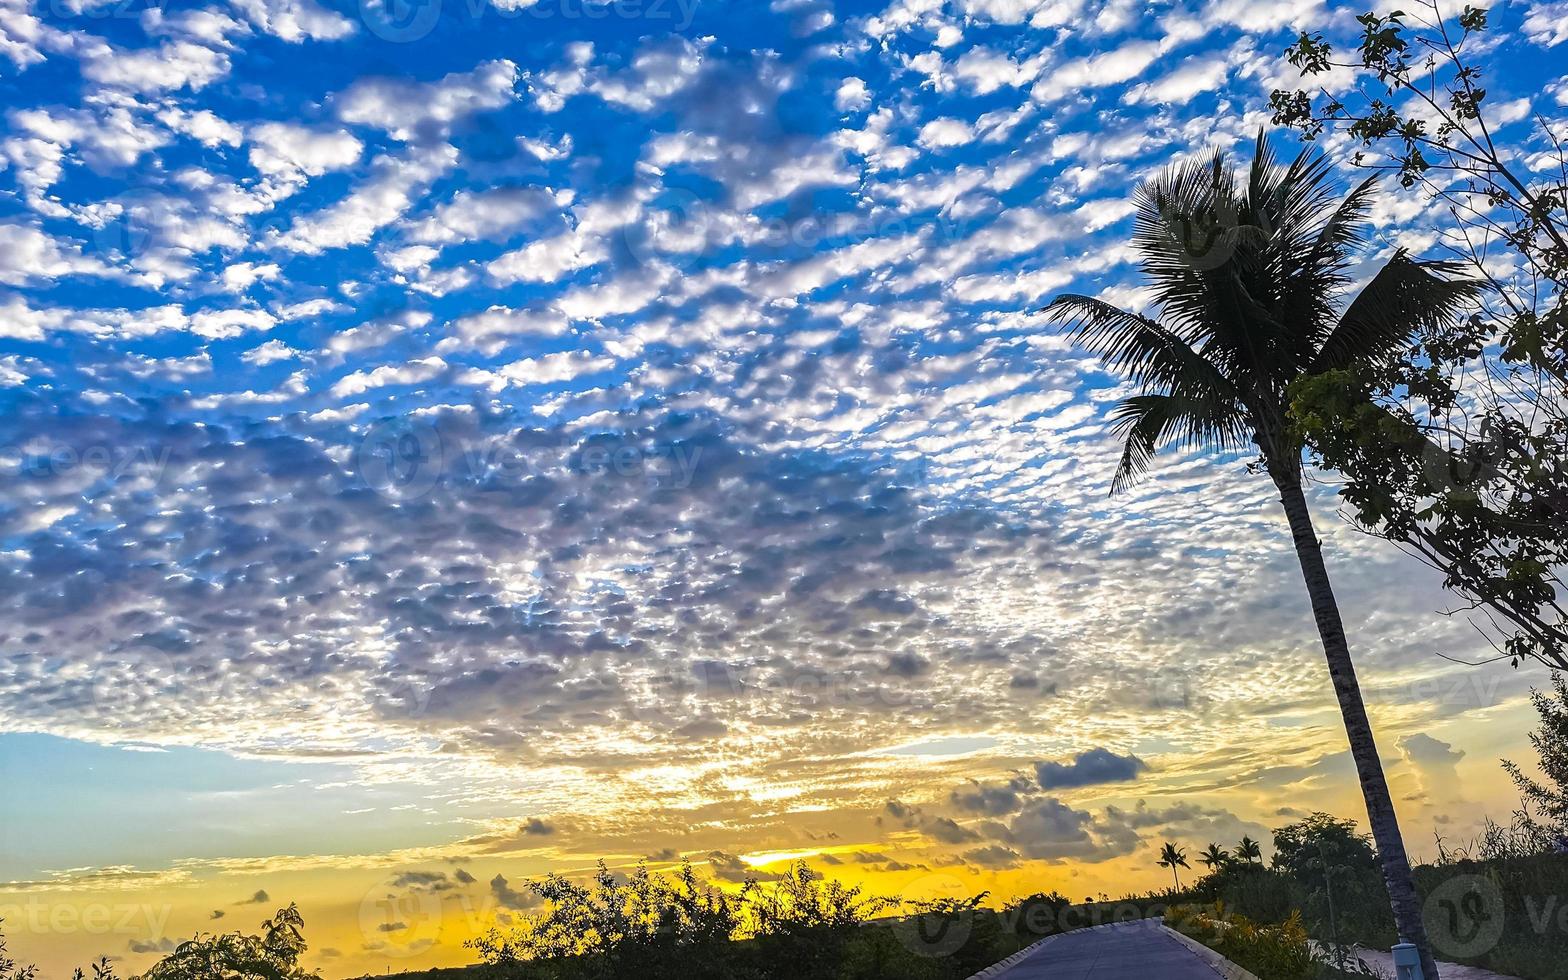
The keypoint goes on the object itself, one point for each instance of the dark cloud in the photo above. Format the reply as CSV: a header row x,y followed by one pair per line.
x,y
988,800
427,881
993,856
164,945
1089,768
728,867
508,898
282,546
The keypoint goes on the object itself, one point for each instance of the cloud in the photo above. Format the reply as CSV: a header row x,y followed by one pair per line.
x,y
1048,829
295,152
943,133
410,111
852,95
989,800
27,254
163,945
295,20
389,191
1094,767
260,898
508,898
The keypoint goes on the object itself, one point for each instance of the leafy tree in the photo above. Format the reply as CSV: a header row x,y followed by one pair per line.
x,y
1249,851
1248,272
1457,450
8,967
1173,857
272,955
603,928
1550,799
1214,857
1301,848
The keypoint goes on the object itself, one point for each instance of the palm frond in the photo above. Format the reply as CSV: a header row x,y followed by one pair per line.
x,y
1406,296
1192,417
1135,346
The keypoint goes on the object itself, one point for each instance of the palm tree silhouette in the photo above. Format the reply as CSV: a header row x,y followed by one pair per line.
x,y
1214,857
1247,271
1173,857
1249,851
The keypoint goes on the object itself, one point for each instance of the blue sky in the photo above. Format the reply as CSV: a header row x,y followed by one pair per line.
x,y
419,419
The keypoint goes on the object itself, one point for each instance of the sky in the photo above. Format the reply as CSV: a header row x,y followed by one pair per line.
x,y
446,442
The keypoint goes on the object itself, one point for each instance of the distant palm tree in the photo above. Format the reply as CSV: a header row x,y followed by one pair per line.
x,y
1249,851
1247,272
1173,857
1214,857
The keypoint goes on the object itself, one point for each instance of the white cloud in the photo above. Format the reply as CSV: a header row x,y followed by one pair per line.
x,y
1202,73
293,152
1547,23
490,329
983,71
28,254
19,321
542,370
408,110
1107,68
851,95
414,372
169,67
945,132
295,20
372,205
242,275
270,352
549,259
480,215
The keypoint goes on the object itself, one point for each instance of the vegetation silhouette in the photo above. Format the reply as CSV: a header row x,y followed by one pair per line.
x,y
1214,857
1249,851
1551,745
1248,271
1173,857
1456,450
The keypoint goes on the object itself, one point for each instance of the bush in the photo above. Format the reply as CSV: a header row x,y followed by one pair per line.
x,y
1274,952
272,955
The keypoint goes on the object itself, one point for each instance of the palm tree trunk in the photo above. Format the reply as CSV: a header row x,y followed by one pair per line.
x,y
1363,749
1176,877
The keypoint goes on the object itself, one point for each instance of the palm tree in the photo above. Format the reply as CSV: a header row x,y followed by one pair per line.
x,y
1214,857
1249,851
1247,273
1173,857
